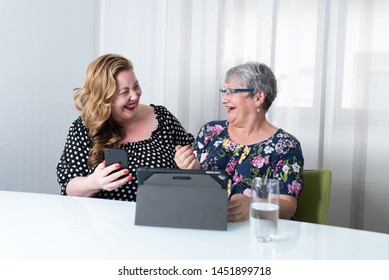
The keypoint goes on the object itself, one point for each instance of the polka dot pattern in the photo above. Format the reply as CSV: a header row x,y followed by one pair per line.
x,y
157,151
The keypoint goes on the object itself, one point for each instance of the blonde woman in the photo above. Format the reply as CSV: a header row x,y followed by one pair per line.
x,y
112,116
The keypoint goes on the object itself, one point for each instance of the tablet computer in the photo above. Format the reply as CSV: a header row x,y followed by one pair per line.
x,y
182,198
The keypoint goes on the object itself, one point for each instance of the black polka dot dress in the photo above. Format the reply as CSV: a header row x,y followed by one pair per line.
x,y
156,152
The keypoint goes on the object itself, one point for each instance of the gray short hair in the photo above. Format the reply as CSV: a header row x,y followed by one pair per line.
x,y
257,76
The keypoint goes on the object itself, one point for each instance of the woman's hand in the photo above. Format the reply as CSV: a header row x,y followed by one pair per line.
x,y
101,179
185,158
238,208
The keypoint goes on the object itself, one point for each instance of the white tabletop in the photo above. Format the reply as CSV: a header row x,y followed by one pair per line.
x,y
42,226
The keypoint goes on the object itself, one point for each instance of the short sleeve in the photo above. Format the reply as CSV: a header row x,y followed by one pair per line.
x,y
180,136
290,165
73,162
211,131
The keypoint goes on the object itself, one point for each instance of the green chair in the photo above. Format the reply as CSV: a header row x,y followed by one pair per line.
x,y
312,204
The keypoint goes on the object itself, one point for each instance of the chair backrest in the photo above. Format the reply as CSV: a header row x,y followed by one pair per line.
x,y
313,202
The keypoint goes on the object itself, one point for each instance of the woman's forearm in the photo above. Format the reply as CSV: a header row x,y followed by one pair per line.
x,y
81,186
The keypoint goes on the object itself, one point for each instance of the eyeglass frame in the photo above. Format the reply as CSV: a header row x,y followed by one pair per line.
x,y
233,91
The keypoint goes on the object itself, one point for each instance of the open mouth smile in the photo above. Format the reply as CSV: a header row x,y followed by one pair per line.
x,y
230,108
130,106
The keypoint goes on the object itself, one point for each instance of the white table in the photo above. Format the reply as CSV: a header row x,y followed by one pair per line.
x,y
42,226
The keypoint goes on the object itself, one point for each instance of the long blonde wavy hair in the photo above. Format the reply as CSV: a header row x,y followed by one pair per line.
x,y
94,98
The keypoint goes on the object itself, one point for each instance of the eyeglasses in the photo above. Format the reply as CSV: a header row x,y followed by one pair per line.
x,y
231,91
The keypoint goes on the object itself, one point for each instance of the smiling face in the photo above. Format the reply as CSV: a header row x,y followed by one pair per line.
x,y
239,105
126,100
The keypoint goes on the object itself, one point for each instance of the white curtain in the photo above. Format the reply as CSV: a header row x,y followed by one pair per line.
x,y
331,59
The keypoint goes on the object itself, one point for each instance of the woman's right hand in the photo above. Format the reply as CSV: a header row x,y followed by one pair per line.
x,y
101,179
185,158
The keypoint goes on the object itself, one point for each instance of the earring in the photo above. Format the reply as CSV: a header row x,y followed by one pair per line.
x,y
258,110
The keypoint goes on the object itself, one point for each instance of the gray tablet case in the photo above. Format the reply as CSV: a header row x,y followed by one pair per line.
x,y
182,198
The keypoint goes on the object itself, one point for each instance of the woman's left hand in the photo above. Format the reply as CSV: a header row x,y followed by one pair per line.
x,y
238,208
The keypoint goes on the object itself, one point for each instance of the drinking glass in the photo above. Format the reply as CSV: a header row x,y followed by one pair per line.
x,y
264,208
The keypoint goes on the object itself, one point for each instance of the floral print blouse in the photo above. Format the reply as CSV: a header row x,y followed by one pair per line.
x,y
278,157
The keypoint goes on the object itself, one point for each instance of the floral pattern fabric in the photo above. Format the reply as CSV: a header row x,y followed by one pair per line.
x,y
278,157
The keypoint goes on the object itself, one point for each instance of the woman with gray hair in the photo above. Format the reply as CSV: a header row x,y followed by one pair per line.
x,y
247,145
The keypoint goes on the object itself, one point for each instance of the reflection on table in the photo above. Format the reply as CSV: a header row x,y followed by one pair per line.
x,y
42,226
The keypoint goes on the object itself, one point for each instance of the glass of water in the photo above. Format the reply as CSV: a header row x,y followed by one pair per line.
x,y
264,208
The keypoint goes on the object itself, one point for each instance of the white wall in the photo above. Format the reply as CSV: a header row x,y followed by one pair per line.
x,y
44,50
